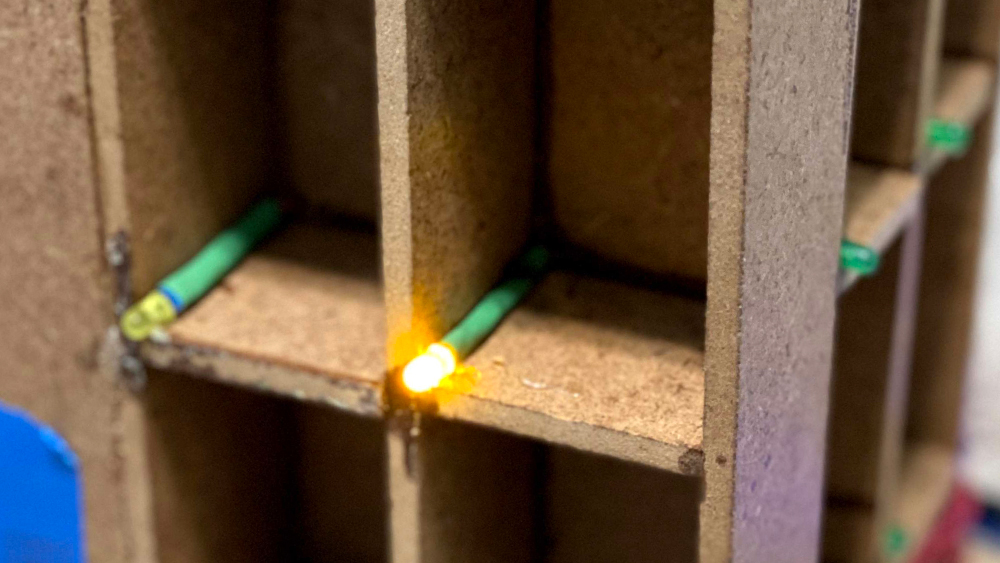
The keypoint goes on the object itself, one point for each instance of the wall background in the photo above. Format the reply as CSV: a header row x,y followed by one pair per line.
x,y
980,462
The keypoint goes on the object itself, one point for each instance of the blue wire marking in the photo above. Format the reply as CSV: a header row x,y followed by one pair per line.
x,y
175,300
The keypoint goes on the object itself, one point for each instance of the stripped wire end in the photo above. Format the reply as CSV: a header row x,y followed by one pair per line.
x,y
154,311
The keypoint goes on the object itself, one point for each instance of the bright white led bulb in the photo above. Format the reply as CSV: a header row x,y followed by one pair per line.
x,y
427,371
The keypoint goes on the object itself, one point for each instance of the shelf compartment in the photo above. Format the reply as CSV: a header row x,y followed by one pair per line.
x,y
238,476
851,533
215,105
496,120
556,504
302,316
599,366
862,394
879,202
898,53
964,92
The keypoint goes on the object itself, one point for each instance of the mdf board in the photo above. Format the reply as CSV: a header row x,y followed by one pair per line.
x,y
477,497
457,122
465,119
899,49
220,102
54,289
629,101
485,113
777,178
488,496
240,476
210,107
457,207
603,509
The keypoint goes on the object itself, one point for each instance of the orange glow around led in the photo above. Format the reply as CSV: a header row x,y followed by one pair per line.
x,y
427,371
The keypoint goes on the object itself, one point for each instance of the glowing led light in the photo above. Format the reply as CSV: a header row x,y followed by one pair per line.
x,y
427,371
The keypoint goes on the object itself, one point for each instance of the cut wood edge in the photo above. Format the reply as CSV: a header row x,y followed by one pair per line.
x,y
676,458
358,396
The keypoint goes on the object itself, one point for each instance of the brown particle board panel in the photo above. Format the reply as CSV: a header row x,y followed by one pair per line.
x,y
878,203
898,53
241,476
301,316
925,486
219,494
629,97
964,94
955,203
782,77
477,495
327,92
972,28
341,504
55,301
598,366
194,122
457,125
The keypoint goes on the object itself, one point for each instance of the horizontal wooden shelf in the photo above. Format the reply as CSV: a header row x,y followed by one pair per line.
x,y
598,366
965,90
878,203
302,316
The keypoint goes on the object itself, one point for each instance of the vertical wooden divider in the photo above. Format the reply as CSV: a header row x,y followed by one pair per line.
x,y
782,83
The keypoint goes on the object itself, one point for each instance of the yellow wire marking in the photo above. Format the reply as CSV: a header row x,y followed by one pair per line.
x,y
154,311
428,371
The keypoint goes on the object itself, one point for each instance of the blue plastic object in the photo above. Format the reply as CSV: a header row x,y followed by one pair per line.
x,y
40,493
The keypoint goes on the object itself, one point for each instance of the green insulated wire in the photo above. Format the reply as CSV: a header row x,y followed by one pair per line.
x,y
200,274
858,259
948,136
484,318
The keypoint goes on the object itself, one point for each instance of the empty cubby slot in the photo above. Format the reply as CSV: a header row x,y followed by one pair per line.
x,y
240,476
583,125
861,426
495,497
913,72
898,54
867,414
222,103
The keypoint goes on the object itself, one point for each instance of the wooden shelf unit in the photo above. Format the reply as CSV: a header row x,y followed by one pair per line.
x,y
887,393
691,164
